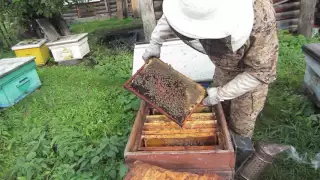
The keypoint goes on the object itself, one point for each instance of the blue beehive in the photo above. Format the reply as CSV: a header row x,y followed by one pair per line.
x,y
18,78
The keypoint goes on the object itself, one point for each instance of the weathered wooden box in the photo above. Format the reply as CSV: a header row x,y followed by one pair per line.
x,y
218,158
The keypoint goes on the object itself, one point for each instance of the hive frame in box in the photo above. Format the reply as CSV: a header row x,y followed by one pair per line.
x,y
220,161
127,86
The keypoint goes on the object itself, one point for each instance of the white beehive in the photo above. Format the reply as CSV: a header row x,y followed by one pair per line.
x,y
72,47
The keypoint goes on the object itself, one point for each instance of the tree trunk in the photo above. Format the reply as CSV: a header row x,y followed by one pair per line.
x,y
148,17
306,17
119,9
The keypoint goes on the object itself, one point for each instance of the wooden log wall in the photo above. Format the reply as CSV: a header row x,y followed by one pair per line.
x,y
287,14
102,8
317,15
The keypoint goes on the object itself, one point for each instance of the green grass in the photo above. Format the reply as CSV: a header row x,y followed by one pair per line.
x,y
85,114
76,108
289,117
6,54
104,25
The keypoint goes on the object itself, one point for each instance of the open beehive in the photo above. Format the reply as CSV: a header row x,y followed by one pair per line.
x,y
201,145
167,90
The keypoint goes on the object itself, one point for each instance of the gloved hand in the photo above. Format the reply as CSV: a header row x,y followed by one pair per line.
x,y
240,85
153,50
212,98
160,33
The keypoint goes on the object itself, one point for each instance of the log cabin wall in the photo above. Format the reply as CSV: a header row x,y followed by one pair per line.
x,y
317,15
97,10
287,14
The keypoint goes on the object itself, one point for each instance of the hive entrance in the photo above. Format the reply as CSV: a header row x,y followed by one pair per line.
x,y
199,132
167,90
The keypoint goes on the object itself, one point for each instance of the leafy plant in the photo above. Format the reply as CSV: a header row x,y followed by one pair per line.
x,y
75,126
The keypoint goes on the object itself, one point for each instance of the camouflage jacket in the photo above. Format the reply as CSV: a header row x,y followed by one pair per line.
x,y
258,56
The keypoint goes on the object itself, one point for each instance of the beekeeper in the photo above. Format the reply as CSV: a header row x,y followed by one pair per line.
x,y
240,37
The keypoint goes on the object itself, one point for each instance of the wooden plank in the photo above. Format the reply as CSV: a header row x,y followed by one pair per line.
x,y
70,15
119,9
199,109
277,2
102,12
135,8
100,8
87,14
205,160
148,18
114,6
292,28
287,15
125,8
285,23
199,139
158,14
227,174
194,117
135,134
172,125
177,148
73,10
307,10
287,7
224,127
106,3
157,5
179,131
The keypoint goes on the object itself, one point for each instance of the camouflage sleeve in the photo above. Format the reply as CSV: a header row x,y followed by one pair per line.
x,y
262,55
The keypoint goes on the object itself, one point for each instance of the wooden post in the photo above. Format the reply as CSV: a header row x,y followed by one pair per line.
x,y
135,8
119,9
306,17
148,17
126,10
108,8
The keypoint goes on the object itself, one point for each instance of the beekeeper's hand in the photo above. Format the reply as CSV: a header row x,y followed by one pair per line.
x,y
160,33
153,50
240,85
212,98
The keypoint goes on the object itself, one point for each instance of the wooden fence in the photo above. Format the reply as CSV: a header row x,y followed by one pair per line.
x,y
293,15
99,9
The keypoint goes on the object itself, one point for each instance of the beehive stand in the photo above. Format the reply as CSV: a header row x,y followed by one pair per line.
x,y
167,90
201,145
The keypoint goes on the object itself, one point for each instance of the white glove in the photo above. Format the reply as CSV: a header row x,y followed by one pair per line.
x,y
240,85
152,51
161,32
212,98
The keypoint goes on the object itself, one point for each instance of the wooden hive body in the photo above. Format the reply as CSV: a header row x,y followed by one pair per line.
x,y
212,157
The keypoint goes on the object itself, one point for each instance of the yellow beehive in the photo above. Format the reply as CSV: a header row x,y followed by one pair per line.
x,y
35,48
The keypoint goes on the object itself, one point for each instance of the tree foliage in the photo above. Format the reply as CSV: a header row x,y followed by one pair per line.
x,y
31,9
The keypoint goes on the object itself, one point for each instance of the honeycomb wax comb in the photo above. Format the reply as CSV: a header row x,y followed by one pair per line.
x,y
166,90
